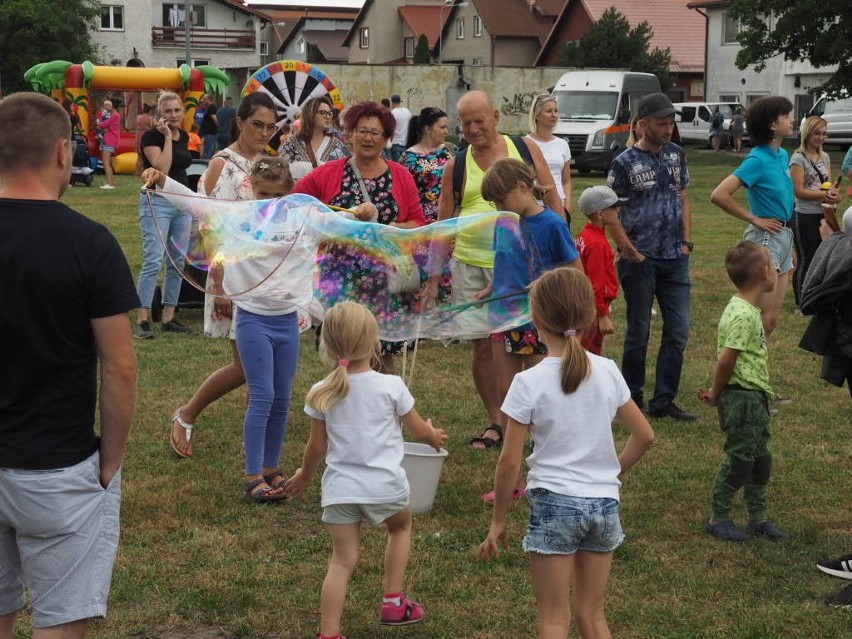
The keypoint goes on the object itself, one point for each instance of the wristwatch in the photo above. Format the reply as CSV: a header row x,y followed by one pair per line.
x,y
688,244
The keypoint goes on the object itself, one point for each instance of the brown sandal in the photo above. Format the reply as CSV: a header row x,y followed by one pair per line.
x,y
262,496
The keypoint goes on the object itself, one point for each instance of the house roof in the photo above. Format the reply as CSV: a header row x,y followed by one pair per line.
x,y
423,19
708,4
238,4
518,18
330,43
674,26
358,19
295,20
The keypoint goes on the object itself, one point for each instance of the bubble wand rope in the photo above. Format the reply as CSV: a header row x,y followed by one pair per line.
x,y
188,280
410,380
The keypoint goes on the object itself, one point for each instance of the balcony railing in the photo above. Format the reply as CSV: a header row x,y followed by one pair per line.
x,y
200,38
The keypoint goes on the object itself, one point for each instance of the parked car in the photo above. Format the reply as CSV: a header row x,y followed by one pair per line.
x,y
694,119
595,108
838,115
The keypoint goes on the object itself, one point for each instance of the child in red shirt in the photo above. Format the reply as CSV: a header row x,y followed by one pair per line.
x,y
597,203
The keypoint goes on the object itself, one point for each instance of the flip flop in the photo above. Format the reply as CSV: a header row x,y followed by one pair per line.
x,y
489,442
187,427
517,493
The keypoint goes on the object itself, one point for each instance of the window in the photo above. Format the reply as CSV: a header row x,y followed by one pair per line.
x,y
730,29
477,26
704,113
459,28
175,16
112,18
300,44
477,62
264,48
409,48
729,97
752,97
687,114
195,63
364,40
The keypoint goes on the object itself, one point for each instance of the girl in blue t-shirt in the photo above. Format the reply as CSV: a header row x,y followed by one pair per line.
x,y
511,186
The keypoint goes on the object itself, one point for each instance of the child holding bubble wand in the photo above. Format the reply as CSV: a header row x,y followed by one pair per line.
x,y
355,426
567,403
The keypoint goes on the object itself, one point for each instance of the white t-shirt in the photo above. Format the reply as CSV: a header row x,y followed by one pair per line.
x,y
402,117
574,452
364,456
556,153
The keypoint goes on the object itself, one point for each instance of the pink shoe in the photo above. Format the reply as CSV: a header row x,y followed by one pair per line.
x,y
517,493
407,612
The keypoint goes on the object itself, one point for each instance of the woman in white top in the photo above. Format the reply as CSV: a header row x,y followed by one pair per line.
x,y
543,118
567,403
315,142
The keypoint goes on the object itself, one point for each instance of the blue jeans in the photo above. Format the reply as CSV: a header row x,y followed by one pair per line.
x,y
210,144
269,350
668,281
174,225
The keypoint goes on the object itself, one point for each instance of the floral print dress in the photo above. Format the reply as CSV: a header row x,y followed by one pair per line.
x,y
348,273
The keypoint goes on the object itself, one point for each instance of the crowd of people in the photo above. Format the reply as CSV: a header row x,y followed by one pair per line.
x,y
391,167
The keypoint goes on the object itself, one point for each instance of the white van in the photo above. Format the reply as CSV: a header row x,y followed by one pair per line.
x,y
693,121
595,108
838,115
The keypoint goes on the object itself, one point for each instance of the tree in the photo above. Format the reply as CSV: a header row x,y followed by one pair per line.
x,y
610,43
812,30
32,31
421,51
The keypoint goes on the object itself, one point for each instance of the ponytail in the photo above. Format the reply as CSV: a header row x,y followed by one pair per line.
x,y
575,363
330,391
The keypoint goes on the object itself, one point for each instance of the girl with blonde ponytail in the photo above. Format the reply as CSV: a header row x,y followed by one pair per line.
x,y
355,425
567,403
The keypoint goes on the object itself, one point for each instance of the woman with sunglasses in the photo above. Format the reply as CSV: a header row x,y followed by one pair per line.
x,y
315,143
543,118
228,177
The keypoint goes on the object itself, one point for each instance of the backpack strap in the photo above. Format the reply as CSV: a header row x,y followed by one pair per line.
x,y
461,163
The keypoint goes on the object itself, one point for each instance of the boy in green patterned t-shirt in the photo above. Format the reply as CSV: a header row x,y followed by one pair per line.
x,y
741,393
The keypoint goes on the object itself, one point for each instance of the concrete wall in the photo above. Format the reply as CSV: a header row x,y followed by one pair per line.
x,y
511,88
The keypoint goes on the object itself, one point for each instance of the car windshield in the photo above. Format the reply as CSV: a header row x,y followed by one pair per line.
x,y
587,105
838,106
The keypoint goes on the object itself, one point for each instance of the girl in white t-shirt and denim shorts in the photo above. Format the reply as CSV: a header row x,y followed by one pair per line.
x,y
355,414
567,403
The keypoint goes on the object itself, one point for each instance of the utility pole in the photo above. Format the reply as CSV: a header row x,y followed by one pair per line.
x,y
188,27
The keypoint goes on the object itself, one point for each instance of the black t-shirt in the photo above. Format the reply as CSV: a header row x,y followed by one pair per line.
x,y
181,158
58,270
208,126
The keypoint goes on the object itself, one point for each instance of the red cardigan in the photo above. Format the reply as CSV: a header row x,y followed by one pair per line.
x,y
325,182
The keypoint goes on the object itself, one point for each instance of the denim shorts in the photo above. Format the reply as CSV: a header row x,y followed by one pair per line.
x,y
780,245
562,525
108,148
58,539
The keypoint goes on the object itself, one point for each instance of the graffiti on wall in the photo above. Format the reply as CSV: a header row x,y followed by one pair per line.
x,y
414,94
518,104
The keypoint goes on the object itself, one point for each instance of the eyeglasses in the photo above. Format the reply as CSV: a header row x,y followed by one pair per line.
x,y
325,114
262,127
369,133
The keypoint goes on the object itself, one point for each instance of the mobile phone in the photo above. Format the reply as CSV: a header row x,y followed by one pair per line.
x,y
838,181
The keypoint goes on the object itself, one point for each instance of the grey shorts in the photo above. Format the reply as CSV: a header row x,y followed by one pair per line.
x,y
58,538
354,513
780,245
469,280
562,525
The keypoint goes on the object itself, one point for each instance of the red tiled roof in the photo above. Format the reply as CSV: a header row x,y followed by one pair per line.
x,y
237,4
674,26
515,18
424,19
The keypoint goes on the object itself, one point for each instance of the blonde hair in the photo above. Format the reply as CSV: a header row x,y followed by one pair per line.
x,y
536,108
504,175
273,168
562,301
167,96
807,128
632,138
349,332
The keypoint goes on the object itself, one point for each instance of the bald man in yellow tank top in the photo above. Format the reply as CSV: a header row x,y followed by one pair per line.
x,y
473,255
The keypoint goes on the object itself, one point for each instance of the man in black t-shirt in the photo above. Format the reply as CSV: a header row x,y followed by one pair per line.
x,y
62,320
209,127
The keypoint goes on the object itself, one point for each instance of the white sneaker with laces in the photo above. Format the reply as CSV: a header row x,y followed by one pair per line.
x,y
107,186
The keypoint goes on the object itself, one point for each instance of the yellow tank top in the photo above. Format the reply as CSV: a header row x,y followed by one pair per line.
x,y
476,247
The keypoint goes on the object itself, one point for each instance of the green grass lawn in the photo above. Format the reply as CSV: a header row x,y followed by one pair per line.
x,y
196,560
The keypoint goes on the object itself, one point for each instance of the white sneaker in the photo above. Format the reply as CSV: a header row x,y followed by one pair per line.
x,y
107,186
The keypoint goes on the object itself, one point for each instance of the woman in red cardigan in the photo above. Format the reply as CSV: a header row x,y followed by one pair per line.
x,y
377,190
109,124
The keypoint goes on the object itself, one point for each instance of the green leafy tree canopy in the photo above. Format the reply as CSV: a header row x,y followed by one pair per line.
x,y
34,31
611,43
812,30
